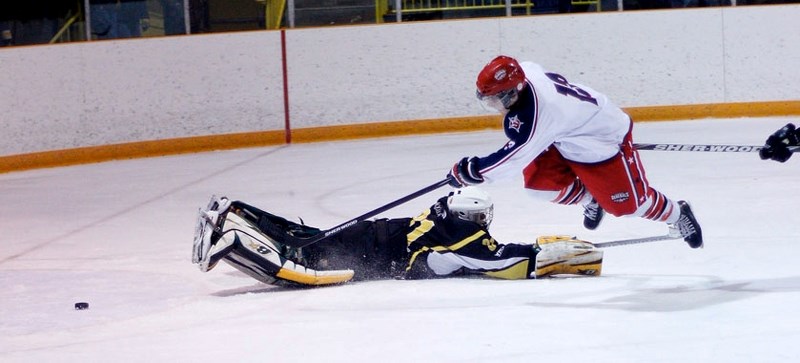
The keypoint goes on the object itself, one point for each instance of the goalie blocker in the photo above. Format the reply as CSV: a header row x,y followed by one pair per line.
x,y
439,243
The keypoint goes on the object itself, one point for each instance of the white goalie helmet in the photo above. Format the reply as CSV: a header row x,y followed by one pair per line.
x,y
471,204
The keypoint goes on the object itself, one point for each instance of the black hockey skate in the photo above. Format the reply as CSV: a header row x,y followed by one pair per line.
x,y
687,226
592,215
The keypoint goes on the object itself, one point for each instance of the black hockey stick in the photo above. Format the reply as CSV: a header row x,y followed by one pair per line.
x,y
705,148
297,242
634,241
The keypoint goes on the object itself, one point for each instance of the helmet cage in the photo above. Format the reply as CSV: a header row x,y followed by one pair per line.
x,y
482,217
504,99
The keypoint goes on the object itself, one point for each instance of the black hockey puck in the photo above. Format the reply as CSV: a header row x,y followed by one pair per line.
x,y
81,305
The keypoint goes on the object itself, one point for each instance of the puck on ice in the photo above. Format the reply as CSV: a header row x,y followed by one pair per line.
x,y
81,305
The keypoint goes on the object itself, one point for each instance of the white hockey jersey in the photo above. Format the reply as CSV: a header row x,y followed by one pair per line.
x,y
580,122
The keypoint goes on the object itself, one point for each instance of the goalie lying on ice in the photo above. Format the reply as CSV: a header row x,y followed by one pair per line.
x,y
451,238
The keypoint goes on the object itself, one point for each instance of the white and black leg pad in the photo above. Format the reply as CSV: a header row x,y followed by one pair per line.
x,y
255,254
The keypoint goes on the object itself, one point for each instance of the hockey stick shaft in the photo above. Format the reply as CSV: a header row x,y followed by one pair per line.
x,y
400,201
634,241
705,148
302,242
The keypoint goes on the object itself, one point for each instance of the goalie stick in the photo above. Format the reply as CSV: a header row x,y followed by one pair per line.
x,y
705,148
297,242
634,241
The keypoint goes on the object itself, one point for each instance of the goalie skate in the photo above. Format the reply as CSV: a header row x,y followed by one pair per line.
x,y
207,223
567,255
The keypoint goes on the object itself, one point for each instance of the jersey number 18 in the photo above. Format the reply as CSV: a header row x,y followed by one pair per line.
x,y
565,88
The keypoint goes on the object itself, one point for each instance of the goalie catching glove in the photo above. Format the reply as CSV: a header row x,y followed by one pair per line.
x,y
465,173
566,255
777,145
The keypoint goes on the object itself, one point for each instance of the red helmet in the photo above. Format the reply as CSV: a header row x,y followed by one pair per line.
x,y
501,74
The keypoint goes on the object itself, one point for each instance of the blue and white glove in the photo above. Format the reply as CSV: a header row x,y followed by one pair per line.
x,y
465,173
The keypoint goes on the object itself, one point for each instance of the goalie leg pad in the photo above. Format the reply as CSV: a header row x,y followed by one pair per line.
x,y
567,255
260,257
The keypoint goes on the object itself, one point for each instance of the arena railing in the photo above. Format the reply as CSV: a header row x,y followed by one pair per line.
x,y
399,7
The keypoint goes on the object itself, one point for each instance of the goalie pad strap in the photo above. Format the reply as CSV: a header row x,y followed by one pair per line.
x,y
240,260
269,228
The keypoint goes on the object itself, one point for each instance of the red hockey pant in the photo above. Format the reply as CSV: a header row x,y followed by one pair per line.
x,y
618,184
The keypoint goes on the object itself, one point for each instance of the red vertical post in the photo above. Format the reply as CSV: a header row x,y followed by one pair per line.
x,y
287,124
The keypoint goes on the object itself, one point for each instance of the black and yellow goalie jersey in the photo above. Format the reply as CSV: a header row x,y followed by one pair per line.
x,y
440,244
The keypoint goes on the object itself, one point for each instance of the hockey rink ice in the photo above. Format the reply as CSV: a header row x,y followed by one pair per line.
x,y
118,235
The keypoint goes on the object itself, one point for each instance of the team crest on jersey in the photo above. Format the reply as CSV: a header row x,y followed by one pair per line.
x,y
620,197
514,123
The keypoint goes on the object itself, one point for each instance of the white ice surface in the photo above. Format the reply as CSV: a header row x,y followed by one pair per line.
x,y
118,235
